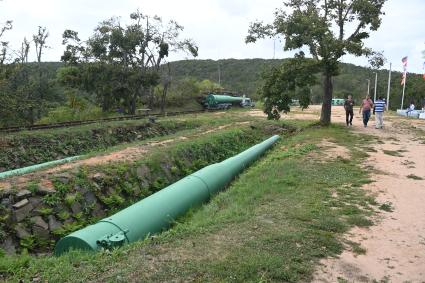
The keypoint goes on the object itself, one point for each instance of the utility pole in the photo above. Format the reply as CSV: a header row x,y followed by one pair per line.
x,y
219,72
376,84
274,48
368,86
389,88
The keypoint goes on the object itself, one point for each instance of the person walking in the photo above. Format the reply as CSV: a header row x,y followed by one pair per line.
x,y
349,114
379,113
365,108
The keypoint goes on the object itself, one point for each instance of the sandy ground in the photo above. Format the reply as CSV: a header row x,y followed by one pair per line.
x,y
395,245
128,154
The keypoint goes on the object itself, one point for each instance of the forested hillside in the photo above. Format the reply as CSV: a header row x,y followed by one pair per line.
x,y
189,79
245,76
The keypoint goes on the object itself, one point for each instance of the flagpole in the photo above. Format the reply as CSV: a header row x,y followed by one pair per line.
x,y
389,88
376,85
404,88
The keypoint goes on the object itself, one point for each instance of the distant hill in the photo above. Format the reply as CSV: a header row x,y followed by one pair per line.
x,y
245,76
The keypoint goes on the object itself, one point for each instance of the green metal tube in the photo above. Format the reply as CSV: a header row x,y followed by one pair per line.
x,y
36,167
214,99
158,211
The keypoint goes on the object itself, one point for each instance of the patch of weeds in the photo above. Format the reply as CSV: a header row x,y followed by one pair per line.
x,y
414,177
356,248
370,149
392,153
45,211
28,243
113,201
359,221
64,215
32,187
70,199
387,206
297,151
52,199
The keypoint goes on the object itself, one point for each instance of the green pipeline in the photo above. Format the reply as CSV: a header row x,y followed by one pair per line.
x,y
36,167
214,99
158,211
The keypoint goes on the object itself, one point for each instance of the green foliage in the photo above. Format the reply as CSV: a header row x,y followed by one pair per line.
x,y
64,215
52,199
120,64
321,27
31,148
289,81
45,211
28,243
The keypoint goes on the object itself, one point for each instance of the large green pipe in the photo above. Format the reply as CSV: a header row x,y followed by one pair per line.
x,y
214,99
36,167
156,212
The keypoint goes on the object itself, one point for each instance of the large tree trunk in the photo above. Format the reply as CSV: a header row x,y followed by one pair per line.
x,y
132,110
163,98
325,117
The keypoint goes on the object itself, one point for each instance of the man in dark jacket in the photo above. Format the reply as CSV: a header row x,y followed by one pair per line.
x,y
349,114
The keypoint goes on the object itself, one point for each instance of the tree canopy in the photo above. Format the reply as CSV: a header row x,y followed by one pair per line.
x,y
328,30
122,63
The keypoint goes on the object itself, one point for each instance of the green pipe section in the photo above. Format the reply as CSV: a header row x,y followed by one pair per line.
x,y
158,211
214,99
36,167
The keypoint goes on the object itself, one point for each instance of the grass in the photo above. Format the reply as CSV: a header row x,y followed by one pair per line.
x,y
273,224
414,177
392,153
388,207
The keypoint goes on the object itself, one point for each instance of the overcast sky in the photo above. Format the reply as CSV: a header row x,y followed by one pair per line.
x,y
217,26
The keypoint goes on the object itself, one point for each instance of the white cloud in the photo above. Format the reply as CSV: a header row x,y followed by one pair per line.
x,y
218,26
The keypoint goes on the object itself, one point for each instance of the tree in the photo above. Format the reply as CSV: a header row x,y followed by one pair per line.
x,y
291,79
328,29
123,62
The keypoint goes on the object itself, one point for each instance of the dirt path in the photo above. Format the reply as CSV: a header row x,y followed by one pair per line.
x,y
395,245
128,154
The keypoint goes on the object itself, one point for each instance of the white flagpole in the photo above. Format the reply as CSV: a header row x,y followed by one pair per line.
x,y
389,87
404,88
376,85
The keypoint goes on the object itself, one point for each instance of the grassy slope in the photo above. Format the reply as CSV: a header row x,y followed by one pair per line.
x,y
273,224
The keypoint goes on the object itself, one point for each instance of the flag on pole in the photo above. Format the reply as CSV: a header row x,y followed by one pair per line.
x,y
403,76
404,61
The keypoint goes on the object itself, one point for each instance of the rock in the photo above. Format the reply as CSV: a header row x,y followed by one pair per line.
x,y
98,211
21,203
39,222
54,223
21,232
44,190
22,212
98,177
90,198
35,201
5,190
76,207
40,232
64,178
23,194
8,246
166,168
97,187
81,189
142,171
6,202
